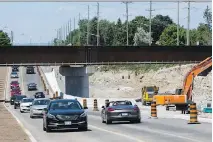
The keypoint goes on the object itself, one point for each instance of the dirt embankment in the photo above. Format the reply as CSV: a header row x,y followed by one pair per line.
x,y
116,84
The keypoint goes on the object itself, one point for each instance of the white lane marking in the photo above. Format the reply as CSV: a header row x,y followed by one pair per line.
x,y
22,126
116,133
162,133
22,80
153,131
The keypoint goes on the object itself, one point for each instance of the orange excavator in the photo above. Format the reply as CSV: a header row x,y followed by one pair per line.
x,y
183,97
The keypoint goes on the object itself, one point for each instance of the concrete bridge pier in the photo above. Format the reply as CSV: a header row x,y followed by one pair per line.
x,y
76,80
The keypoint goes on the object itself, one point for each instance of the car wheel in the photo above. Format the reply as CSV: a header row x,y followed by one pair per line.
x,y
48,129
136,121
103,120
108,121
21,111
83,128
44,129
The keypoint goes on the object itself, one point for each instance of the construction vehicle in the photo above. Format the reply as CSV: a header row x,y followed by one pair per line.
x,y
183,97
148,93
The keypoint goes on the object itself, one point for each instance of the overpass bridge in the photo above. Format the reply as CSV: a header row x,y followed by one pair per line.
x,y
88,55
77,78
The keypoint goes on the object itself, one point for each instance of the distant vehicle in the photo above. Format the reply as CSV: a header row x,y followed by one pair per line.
x,y
147,94
30,70
32,86
120,111
12,99
39,95
14,84
38,106
14,75
16,91
64,113
18,100
15,68
25,104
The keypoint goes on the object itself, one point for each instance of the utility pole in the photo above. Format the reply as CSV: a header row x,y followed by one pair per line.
x,y
188,36
12,37
70,32
79,19
88,28
98,36
150,24
178,17
74,23
64,34
127,22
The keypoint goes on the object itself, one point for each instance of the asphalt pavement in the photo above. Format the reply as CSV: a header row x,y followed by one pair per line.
x,y
150,130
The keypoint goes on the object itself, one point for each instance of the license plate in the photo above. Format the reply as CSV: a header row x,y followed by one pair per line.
x,y
124,114
67,122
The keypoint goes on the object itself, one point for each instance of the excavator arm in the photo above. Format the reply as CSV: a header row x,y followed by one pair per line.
x,y
196,70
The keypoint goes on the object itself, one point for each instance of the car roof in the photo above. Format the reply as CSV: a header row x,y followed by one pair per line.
x,y
41,99
64,100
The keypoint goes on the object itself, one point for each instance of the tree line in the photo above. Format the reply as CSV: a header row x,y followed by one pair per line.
x,y
163,32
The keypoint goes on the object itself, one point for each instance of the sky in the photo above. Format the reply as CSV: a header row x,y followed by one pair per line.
x,y
37,22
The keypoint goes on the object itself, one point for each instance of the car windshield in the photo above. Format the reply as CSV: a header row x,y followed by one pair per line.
x,y
65,105
150,89
39,93
20,97
14,73
14,82
27,100
122,103
41,102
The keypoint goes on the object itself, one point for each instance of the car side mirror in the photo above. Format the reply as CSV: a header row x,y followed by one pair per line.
x,y
103,107
85,107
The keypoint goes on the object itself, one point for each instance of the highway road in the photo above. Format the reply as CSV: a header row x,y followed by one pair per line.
x,y
150,130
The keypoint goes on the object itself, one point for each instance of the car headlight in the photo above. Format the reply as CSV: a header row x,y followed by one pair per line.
x,y
83,114
50,116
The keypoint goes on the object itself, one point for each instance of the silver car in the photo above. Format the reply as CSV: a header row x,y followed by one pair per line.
x,y
14,75
38,105
120,111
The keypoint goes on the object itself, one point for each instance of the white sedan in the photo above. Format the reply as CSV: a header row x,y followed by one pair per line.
x,y
25,104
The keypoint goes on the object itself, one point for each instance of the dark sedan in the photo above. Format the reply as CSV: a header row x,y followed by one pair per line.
x,y
17,100
39,95
120,111
64,113
30,70
32,86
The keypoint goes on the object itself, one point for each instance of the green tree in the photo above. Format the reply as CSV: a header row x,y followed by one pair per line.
x,y
141,37
169,36
159,23
4,39
203,36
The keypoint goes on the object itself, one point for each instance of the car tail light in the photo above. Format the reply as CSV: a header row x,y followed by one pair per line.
x,y
111,109
136,108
